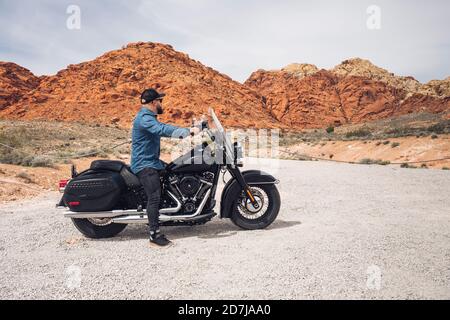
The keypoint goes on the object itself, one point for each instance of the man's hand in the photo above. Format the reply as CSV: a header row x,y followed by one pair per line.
x,y
194,131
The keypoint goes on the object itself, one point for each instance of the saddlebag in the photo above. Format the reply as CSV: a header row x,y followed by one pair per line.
x,y
93,191
131,180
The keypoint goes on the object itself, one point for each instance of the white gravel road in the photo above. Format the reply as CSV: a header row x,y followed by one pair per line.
x,y
344,231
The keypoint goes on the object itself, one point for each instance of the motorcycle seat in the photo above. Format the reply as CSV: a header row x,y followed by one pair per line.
x,y
110,165
131,180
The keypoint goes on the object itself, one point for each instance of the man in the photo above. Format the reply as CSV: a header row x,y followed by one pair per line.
x,y
145,162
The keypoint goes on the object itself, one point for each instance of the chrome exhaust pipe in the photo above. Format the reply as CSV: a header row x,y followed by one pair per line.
x,y
119,213
174,209
135,219
142,218
99,215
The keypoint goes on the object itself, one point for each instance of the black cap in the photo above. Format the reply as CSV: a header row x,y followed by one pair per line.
x,y
149,95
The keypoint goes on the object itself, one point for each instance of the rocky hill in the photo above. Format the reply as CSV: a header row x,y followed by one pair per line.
x,y
15,82
301,95
107,90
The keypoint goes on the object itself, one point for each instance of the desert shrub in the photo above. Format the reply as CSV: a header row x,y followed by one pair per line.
x,y
17,138
9,156
366,161
434,136
330,129
407,165
445,168
360,133
41,161
13,139
9,149
67,161
124,148
25,176
395,144
386,142
401,132
286,139
92,152
19,158
374,161
440,127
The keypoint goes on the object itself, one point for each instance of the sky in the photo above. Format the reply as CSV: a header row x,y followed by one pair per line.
x,y
407,37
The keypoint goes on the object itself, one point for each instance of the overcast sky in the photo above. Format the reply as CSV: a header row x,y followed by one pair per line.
x,y
234,37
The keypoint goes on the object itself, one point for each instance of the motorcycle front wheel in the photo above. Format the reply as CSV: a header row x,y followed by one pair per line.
x,y
248,217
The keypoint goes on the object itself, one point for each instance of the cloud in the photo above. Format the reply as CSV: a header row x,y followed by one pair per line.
x,y
234,37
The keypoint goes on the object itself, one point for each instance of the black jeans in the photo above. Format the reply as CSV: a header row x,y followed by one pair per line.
x,y
149,178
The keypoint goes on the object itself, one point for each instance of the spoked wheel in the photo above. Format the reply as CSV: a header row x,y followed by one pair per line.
x,y
246,216
98,228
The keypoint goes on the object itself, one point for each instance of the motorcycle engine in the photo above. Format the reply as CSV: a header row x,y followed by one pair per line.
x,y
192,188
189,186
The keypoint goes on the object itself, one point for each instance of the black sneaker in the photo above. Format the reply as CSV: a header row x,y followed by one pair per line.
x,y
159,240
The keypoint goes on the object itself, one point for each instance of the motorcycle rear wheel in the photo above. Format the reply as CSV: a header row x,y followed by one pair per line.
x,y
245,216
96,229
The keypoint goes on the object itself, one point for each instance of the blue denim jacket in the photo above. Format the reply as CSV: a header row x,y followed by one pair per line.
x,y
146,136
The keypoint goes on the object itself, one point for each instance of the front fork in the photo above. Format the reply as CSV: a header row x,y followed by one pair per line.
x,y
236,173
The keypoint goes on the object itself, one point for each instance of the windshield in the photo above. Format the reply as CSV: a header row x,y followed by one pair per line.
x,y
221,137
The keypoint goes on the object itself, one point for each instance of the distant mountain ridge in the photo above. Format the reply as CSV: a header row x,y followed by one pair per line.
x,y
106,91
355,91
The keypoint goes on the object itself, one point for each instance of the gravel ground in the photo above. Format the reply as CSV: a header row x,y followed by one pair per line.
x,y
344,231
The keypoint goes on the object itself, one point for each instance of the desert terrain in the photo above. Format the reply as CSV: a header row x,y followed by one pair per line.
x,y
344,231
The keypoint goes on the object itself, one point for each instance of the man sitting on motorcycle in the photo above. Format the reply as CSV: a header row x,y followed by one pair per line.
x,y
145,163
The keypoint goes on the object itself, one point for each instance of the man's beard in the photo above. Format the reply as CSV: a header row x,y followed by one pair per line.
x,y
159,110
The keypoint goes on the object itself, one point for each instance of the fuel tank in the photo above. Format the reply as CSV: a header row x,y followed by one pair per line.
x,y
199,159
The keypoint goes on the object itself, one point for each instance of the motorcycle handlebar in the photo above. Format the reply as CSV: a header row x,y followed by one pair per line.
x,y
202,125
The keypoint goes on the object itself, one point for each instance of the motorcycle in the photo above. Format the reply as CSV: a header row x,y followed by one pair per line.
x,y
104,199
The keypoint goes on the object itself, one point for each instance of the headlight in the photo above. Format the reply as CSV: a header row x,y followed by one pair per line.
x,y
238,154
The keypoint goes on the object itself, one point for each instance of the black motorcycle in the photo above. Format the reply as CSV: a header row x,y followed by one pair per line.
x,y
102,200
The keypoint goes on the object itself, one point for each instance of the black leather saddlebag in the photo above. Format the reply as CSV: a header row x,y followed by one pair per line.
x,y
131,180
94,190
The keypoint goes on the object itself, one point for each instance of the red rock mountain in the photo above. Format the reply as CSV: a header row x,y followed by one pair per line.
x,y
15,81
355,91
107,90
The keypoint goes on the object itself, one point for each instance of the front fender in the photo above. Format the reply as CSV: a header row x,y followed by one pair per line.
x,y
232,189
